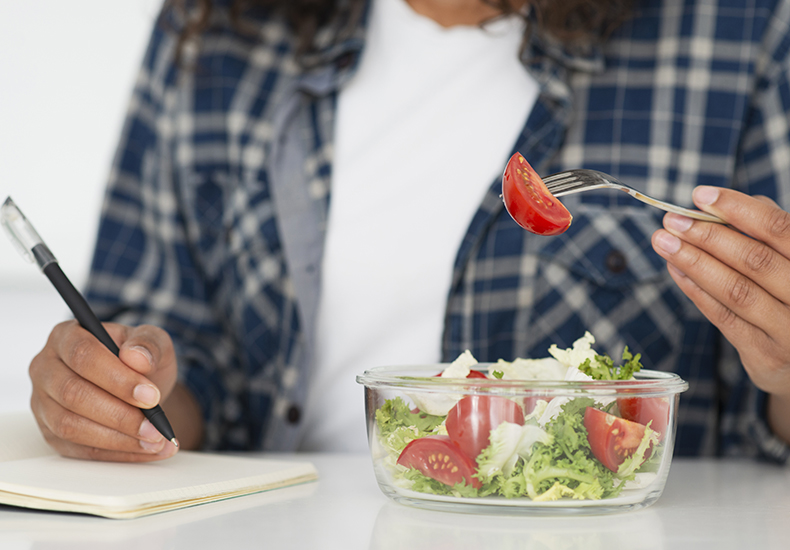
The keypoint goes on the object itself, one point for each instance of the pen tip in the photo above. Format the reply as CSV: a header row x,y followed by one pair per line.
x,y
175,442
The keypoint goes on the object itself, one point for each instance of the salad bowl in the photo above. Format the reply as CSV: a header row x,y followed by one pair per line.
x,y
477,439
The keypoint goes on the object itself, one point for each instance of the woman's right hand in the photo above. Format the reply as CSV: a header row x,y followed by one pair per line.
x,y
87,401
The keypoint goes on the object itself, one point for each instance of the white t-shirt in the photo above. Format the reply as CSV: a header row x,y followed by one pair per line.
x,y
424,127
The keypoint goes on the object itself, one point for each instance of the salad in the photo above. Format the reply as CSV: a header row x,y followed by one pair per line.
x,y
526,447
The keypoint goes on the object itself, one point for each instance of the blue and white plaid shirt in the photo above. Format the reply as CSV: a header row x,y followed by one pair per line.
x,y
214,218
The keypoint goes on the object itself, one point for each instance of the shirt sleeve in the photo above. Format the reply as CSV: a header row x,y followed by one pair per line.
x,y
145,269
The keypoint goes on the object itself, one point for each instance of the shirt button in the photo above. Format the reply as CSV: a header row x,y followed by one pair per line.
x,y
294,414
615,261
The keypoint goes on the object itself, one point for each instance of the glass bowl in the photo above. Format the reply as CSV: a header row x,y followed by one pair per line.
x,y
486,445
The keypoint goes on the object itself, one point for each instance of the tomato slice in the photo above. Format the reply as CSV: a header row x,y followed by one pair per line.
x,y
476,374
470,421
612,439
529,202
646,409
437,457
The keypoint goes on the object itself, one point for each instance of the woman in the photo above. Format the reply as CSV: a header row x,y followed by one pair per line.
x,y
249,121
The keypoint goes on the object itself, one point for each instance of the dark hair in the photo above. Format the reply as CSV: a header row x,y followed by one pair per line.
x,y
575,22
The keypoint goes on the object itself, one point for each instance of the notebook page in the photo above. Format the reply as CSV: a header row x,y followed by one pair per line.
x,y
118,490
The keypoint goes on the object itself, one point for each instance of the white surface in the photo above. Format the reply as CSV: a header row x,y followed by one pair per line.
x,y
424,128
68,69
706,505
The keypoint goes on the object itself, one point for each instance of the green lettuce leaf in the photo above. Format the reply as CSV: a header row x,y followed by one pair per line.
x,y
603,367
631,464
569,460
508,443
398,425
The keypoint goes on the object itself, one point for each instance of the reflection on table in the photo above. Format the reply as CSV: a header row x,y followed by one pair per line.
x,y
706,504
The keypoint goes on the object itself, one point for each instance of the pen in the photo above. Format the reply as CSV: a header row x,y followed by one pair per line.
x,y
32,247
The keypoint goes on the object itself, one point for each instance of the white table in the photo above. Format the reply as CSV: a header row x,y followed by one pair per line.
x,y
706,504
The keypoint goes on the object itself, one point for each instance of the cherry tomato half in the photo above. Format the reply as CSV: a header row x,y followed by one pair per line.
x,y
437,457
470,421
612,439
645,409
529,202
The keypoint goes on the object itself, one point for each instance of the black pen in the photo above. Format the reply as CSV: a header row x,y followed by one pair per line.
x,y
32,247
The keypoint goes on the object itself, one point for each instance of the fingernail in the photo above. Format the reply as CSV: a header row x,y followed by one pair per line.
x,y
149,433
152,447
667,242
705,194
168,450
146,394
677,222
145,352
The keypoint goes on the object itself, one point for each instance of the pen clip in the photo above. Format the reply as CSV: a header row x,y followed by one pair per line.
x,y
23,236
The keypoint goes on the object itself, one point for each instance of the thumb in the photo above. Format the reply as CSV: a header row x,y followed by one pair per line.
x,y
149,351
146,348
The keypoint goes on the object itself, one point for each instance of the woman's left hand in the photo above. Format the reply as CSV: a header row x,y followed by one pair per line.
x,y
738,275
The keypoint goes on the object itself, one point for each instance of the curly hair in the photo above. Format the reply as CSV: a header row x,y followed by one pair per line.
x,y
569,21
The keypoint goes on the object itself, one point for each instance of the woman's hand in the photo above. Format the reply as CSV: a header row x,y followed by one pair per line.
x,y
87,401
739,278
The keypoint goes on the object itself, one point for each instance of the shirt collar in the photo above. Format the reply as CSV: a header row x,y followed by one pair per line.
x,y
581,58
336,55
338,48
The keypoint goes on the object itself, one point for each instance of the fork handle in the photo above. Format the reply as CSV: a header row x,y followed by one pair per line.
x,y
689,213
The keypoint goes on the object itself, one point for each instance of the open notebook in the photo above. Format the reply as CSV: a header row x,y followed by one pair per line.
x,y
33,476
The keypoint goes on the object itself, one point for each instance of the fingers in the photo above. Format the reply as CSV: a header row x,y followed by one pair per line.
x,y
62,389
751,262
749,338
76,436
83,354
87,401
737,278
758,217
763,357
733,302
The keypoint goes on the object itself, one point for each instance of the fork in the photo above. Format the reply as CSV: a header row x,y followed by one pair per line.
x,y
574,181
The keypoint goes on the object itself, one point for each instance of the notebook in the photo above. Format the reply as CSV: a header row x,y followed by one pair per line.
x,y
34,476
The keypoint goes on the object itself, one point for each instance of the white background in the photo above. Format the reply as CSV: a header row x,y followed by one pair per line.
x,y
67,68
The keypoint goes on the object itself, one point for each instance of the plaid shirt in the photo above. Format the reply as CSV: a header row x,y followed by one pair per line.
x,y
214,218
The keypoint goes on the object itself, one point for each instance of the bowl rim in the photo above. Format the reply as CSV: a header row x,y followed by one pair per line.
x,y
646,382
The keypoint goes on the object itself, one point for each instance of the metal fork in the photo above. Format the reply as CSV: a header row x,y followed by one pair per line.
x,y
574,181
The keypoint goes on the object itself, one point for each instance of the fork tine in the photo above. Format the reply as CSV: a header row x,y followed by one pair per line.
x,y
563,182
559,176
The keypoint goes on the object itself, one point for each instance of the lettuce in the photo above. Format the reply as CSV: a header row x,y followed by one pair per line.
x,y
398,425
631,464
508,443
569,460
546,464
601,367
574,356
